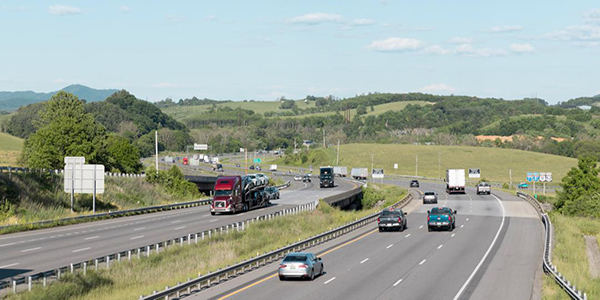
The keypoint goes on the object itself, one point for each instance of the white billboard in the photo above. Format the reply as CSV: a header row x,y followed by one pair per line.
x,y
200,146
82,177
377,173
474,173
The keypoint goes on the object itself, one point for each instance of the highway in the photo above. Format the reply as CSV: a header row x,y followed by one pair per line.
x,y
42,250
495,252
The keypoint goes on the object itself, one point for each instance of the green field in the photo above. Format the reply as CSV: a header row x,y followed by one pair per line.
x,y
377,109
10,143
494,163
261,107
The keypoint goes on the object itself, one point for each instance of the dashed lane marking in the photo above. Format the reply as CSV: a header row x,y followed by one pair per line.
x,y
422,262
137,237
328,281
91,237
32,249
390,246
8,266
364,260
440,246
398,282
82,249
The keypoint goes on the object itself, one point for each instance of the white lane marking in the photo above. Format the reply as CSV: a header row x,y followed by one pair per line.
x,y
82,249
328,281
390,246
408,235
440,246
182,227
7,245
398,282
175,221
213,220
422,262
461,226
137,237
139,228
462,289
364,260
206,215
32,249
11,265
421,227
91,237
453,235
467,219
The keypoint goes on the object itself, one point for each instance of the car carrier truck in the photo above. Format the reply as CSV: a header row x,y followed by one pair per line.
x,y
237,193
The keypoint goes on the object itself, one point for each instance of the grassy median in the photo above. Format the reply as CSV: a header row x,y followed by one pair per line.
x,y
129,280
569,256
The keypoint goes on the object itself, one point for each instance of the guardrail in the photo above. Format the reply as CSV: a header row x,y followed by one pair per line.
x,y
206,281
571,290
16,283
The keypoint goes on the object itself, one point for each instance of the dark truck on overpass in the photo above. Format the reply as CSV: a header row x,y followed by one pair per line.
x,y
326,177
238,193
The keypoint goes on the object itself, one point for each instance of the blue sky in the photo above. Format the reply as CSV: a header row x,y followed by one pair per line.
x,y
266,49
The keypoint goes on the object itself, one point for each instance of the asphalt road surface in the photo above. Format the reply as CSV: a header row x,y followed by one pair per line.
x,y
495,252
31,252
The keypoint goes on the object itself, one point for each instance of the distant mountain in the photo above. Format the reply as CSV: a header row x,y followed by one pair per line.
x,y
12,100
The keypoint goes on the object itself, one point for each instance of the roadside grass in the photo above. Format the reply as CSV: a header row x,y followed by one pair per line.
x,y
494,163
129,280
27,198
569,256
10,158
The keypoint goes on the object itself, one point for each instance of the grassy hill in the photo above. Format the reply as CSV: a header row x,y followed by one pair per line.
x,y
261,107
494,163
377,109
10,149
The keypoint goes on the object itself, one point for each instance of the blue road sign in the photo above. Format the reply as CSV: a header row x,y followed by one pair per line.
x,y
529,176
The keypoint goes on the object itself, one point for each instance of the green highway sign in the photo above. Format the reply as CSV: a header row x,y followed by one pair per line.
x,y
257,160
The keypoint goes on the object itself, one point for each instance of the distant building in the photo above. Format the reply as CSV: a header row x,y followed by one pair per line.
x,y
307,142
584,107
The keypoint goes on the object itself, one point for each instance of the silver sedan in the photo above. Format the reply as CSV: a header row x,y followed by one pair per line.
x,y
300,265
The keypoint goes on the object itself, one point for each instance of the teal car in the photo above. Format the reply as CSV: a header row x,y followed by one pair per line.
x,y
441,218
523,185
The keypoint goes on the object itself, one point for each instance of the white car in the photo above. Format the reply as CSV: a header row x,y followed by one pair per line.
x,y
297,178
262,179
253,179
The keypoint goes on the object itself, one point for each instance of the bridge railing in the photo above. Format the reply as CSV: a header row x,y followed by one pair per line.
x,y
549,268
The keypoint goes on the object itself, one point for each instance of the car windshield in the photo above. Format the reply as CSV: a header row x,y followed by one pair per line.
x,y
483,184
414,181
429,194
292,258
387,213
440,211
223,193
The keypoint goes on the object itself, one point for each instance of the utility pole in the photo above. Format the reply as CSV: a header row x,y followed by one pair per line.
x,y
156,149
323,138
337,161
246,161
417,165
439,165
372,179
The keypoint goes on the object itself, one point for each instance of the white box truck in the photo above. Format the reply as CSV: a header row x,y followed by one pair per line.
x,y
455,181
340,171
273,168
359,173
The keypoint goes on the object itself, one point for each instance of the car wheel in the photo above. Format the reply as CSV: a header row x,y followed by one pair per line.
x,y
322,270
312,275
401,228
380,229
281,278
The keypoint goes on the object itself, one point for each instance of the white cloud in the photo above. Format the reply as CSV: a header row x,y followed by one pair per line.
x,y
438,88
124,9
505,28
436,49
461,40
592,17
521,48
362,22
211,18
575,33
62,10
396,44
316,18
469,51
175,18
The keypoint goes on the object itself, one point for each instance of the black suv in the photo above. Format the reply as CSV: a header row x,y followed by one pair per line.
x,y
414,183
306,178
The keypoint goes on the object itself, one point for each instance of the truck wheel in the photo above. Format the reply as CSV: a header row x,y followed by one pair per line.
x,y
212,213
429,229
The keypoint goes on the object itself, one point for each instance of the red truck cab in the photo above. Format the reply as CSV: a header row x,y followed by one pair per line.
x,y
185,161
228,195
